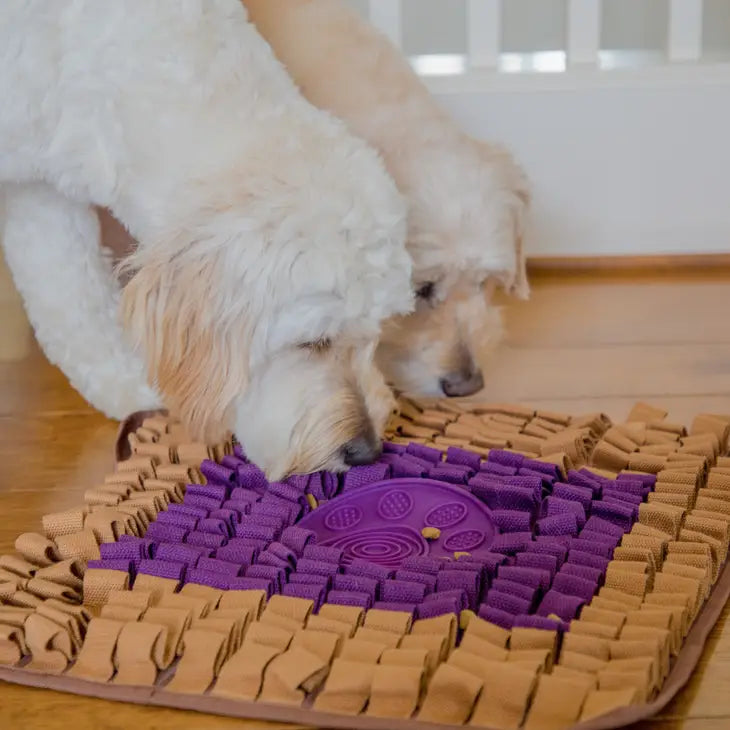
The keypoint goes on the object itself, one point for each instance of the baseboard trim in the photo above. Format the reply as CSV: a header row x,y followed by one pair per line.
x,y
626,265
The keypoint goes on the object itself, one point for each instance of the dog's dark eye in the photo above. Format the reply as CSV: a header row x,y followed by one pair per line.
x,y
321,345
426,291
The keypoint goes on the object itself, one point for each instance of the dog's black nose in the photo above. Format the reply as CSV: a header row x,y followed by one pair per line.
x,y
462,383
363,449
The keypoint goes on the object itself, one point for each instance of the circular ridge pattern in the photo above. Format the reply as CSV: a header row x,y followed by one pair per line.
x,y
385,546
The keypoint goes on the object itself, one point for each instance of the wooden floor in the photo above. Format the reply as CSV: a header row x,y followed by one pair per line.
x,y
582,343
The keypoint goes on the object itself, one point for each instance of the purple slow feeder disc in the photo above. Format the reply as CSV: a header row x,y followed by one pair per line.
x,y
382,522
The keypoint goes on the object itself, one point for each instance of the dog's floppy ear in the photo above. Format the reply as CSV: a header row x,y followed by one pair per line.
x,y
194,355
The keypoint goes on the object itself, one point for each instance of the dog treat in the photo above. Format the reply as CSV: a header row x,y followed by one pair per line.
x,y
478,573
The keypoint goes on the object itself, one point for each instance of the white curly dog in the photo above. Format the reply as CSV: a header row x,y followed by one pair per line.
x,y
271,240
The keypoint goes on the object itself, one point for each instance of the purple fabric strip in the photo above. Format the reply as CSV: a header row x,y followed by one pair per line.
x,y
620,515
198,500
219,566
272,505
583,571
230,517
444,473
122,551
539,561
120,564
402,591
507,602
505,619
552,506
539,622
179,553
648,479
411,575
391,606
567,607
187,509
330,484
240,508
318,567
492,467
162,569
308,591
520,590
160,532
549,547
507,458
424,452
596,524
257,532
404,468
601,537
546,480
323,554
595,547
500,496
438,607
288,492
323,581
205,539
573,585
314,486
512,520
363,567
187,522
422,564
564,523
268,572
241,554
244,494
214,526
543,467
577,494
297,538
582,558
251,477
252,584
455,455
283,555
217,473
533,577
263,520
349,598
232,461
587,480
391,448
361,476
511,542
459,596
239,452
466,580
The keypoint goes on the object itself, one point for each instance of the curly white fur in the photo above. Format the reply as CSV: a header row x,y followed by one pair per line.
x,y
263,225
467,199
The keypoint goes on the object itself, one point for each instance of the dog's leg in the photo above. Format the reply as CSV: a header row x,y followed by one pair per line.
x,y
72,296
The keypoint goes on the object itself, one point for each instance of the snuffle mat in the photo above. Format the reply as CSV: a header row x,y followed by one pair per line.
x,y
498,567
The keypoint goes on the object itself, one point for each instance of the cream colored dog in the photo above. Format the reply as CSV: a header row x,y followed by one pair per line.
x,y
467,199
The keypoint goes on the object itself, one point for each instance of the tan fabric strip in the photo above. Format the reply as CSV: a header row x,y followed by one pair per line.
x,y
81,545
614,619
161,453
321,624
96,657
504,698
397,622
63,523
450,696
132,478
627,600
100,582
646,667
557,703
602,701
269,635
581,662
347,688
12,644
436,645
143,465
197,606
445,625
583,644
626,580
284,622
192,453
159,424
254,600
291,675
136,599
485,630
241,676
526,638
644,412
176,620
231,627
154,586
378,637
395,691
649,463
359,650
537,660
606,456
37,549
48,589
17,565
322,643
591,628
676,500
121,613
201,662
481,647
638,649
50,645
140,653
105,497
585,679
234,599
662,517
20,598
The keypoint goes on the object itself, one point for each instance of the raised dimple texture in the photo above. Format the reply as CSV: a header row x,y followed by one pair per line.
x,y
465,540
446,515
395,505
344,518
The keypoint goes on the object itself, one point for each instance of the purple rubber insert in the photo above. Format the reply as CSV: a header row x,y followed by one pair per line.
x,y
382,523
